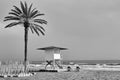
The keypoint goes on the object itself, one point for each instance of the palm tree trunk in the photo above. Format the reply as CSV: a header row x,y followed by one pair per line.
x,y
25,50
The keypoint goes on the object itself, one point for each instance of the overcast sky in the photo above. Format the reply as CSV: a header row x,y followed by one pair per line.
x,y
90,29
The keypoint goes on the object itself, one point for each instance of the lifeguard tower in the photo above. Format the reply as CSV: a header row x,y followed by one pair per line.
x,y
53,56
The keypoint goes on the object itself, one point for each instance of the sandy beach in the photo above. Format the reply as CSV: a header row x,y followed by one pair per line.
x,y
82,75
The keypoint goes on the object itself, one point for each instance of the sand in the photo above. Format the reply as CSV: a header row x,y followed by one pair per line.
x,y
82,75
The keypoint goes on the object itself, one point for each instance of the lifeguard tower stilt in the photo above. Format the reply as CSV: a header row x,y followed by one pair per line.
x,y
53,56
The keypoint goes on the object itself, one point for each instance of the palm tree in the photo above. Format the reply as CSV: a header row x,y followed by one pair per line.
x,y
28,18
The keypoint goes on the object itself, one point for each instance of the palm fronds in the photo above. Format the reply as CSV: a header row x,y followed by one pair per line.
x,y
26,14
41,21
12,24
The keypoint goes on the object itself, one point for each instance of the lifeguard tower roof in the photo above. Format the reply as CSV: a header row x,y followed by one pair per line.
x,y
51,47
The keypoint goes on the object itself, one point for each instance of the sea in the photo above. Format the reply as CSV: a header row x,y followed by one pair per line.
x,y
88,62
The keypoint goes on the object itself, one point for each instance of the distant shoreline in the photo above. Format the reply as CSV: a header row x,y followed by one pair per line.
x,y
82,61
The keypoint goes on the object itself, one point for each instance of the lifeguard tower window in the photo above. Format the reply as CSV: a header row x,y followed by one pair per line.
x,y
57,56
